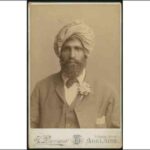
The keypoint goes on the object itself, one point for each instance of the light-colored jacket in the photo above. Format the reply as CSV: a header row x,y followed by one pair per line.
x,y
98,109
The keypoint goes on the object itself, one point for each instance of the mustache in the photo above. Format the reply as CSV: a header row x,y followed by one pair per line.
x,y
71,60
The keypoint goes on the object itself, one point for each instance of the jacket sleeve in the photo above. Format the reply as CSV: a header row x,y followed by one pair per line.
x,y
113,111
34,108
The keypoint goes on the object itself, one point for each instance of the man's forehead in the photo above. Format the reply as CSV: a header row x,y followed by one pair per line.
x,y
73,42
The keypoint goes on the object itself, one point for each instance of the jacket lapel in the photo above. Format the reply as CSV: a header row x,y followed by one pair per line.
x,y
83,98
60,88
86,107
86,112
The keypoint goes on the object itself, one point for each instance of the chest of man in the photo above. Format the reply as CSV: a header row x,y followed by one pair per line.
x,y
61,108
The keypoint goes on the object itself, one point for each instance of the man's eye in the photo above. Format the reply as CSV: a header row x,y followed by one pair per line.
x,y
78,48
65,49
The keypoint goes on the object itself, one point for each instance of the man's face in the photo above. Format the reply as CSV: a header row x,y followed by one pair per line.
x,y
72,57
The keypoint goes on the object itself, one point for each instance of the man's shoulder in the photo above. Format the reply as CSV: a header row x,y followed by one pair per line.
x,y
97,80
49,80
101,85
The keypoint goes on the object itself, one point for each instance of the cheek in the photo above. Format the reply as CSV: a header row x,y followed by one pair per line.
x,y
64,55
80,55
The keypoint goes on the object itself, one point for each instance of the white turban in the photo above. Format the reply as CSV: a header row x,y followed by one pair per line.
x,y
79,30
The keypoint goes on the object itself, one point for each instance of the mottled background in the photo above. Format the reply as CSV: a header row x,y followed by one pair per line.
x,y
46,20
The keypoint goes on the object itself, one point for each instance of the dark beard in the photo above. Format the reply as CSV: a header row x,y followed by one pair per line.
x,y
72,68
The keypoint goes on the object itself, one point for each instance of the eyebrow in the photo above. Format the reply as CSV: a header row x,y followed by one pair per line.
x,y
78,46
73,46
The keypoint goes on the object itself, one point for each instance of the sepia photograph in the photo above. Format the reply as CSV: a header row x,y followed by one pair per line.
x,y
74,75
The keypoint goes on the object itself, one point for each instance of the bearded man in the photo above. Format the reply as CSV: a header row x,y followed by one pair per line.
x,y
69,98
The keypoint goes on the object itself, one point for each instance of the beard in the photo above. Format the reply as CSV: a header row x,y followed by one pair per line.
x,y
72,68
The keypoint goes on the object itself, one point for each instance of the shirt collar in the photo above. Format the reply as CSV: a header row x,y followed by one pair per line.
x,y
80,78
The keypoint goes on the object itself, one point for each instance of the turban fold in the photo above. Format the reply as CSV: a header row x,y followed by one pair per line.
x,y
76,29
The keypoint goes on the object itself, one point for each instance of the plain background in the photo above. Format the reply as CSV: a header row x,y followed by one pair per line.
x,y
13,101
45,21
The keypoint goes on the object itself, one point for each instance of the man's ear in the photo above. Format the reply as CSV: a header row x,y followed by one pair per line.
x,y
85,54
60,53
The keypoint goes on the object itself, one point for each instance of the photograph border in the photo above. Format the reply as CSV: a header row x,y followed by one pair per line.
x,y
121,57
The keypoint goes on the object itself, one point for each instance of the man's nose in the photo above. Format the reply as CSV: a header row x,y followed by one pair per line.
x,y
72,53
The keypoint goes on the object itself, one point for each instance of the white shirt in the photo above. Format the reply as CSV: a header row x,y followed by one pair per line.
x,y
71,92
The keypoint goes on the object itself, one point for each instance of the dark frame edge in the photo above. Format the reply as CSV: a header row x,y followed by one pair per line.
x,y
75,1
27,6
